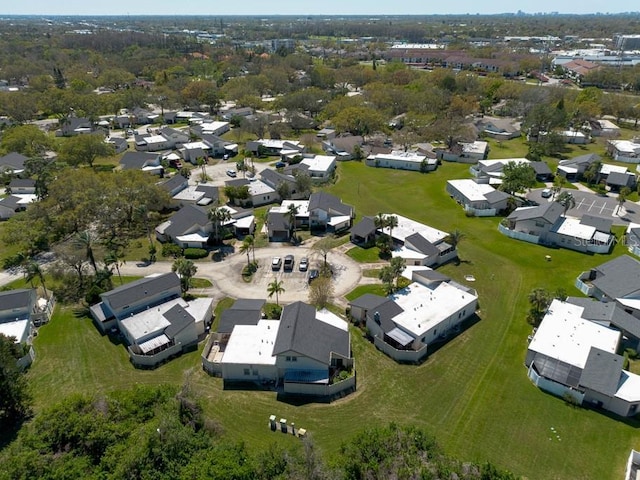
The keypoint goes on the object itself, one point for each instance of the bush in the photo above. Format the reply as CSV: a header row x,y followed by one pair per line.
x,y
631,353
171,250
192,253
272,311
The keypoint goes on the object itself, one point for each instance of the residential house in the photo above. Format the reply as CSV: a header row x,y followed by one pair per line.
x,y
546,225
578,69
188,227
479,199
175,184
364,232
303,352
574,168
618,180
627,151
278,225
633,238
152,143
465,152
260,193
617,280
219,146
327,133
604,128
119,144
211,128
193,152
20,311
281,148
327,212
11,205
22,186
575,137
405,324
156,323
319,167
543,172
573,357
71,126
147,162
403,160
344,147
490,171
13,162
633,466
242,112
177,137
499,128
275,179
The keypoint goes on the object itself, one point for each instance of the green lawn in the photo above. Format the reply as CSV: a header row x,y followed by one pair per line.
x,y
472,393
365,255
376,289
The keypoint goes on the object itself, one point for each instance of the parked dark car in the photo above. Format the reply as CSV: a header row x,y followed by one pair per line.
x,y
313,274
288,262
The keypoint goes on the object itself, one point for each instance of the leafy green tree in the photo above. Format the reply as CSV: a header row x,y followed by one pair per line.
x,y
84,149
397,264
539,301
387,276
622,197
15,399
219,216
567,201
33,270
292,212
276,287
321,291
359,121
303,183
28,140
87,241
186,270
517,178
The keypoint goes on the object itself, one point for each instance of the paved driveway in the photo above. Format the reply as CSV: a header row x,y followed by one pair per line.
x,y
598,205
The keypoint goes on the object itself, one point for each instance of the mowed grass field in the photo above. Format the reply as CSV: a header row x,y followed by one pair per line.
x,y
472,393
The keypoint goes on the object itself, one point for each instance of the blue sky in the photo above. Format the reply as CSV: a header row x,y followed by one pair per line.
x,y
298,7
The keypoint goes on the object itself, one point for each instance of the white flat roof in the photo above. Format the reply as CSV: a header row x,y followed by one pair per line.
x,y
425,308
212,126
564,335
269,143
319,163
626,146
16,329
193,237
149,321
245,222
155,139
252,344
473,191
413,157
629,387
606,169
326,316
193,145
303,207
407,227
504,161
189,194
408,253
572,227
259,188
475,147
25,198
338,220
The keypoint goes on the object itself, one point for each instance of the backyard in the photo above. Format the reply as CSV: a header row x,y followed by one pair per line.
x,y
472,393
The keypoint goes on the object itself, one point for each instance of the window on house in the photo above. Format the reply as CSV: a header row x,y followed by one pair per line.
x,y
294,359
288,358
435,332
247,371
540,224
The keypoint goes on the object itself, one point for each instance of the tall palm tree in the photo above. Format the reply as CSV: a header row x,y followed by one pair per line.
x,y
113,258
455,237
567,201
87,240
218,216
32,270
251,241
392,222
380,221
292,211
275,288
622,197
185,269
246,248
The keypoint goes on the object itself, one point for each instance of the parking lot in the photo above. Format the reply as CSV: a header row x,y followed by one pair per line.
x,y
595,204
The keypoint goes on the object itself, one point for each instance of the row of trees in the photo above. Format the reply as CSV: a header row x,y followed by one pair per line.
x,y
161,432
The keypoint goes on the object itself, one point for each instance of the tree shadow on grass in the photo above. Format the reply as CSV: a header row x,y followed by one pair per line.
x,y
8,433
81,311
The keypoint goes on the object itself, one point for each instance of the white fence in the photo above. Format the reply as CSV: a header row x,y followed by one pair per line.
x,y
145,361
525,237
321,390
408,356
24,362
481,212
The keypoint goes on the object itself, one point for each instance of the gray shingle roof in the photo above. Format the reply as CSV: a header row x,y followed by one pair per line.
x,y
618,278
179,319
13,161
274,179
601,372
17,299
145,287
368,301
185,218
302,333
599,223
11,202
620,179
541,168
243,312
422,245
136,160
277,221
22,182
496,196
174,182
431,276
609,312
548,211
364,227
329,203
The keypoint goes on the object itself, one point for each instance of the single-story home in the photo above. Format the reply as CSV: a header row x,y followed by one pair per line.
x,y
11,205
13,162
260,193
343,147
156,323
22,186
275,179
71,126
175,184
211,128
627,151
319,166
546,225
571,356
275,147
153,143
574,168
490,171
466,152
364,232
303,352
119,144
575,137
428,311
147,162
604,128
499,128
402,160
480,199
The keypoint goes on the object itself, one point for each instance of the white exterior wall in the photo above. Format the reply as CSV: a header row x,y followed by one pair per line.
x,y
302,363
612,404
243,372
188,335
